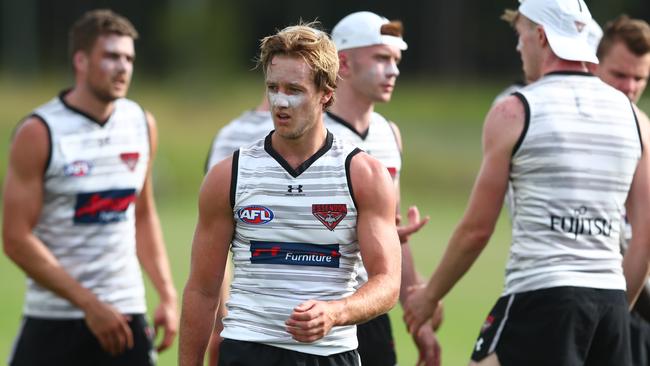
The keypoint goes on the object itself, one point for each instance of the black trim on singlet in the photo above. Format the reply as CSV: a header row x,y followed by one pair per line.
x,y
520,140
638,129
233,177
49,137
306,164
348,160
146,124
79,111
567,72
345,123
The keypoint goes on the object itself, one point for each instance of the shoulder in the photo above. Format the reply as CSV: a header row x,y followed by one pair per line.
x,y
216,184
30,146
506,121
365,169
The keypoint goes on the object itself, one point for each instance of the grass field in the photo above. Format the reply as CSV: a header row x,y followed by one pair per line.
x,y
441,126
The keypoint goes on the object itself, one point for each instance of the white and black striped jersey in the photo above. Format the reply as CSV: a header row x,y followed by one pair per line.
x,y
378,140
295,239
93,177
571,171
244,130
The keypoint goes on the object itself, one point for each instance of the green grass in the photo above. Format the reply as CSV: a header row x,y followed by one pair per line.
x,y
441,128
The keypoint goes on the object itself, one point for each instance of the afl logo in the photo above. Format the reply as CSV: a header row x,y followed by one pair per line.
x,y
79,168
255,215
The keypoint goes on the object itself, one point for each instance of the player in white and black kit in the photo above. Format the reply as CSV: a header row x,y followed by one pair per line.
x,y
79,213
575,154
624,54
370,49
249,127
298,218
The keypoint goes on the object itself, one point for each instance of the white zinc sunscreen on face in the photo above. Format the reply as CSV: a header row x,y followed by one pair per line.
x,y
281,100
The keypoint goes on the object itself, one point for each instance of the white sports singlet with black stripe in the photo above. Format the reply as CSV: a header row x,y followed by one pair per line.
x,y
571,172
242,131
295,239
93,178
378,140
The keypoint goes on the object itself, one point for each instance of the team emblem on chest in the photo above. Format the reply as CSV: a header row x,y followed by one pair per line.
x,y
130,159
329,214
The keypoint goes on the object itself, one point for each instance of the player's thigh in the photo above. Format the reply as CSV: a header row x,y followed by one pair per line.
x,y
49,342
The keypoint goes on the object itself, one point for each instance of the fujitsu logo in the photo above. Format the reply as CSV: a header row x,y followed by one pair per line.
x,y
581,224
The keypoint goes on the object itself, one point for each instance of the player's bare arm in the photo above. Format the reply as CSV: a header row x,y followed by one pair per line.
x,y
503,126
22,204
152,253
212,237
380,252
636,263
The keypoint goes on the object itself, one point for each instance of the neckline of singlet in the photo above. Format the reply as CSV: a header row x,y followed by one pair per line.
x,y
79,111
363,135
305,164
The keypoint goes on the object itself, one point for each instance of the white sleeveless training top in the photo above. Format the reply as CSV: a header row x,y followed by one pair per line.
x,y
295,239
379,141
92,180
570,174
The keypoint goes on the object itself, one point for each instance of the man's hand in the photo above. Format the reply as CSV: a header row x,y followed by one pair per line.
x,y
166,316
311,321
414,224
110,327
428,347
418,308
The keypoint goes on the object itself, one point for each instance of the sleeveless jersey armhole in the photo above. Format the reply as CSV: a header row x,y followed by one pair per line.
x,y
233,178
638,128
521,138
348,160
49,139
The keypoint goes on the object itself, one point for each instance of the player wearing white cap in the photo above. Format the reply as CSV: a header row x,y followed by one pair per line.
x,y
370,49
574,153
624,54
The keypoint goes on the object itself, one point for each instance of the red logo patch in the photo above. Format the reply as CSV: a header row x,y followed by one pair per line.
x,y
488,323
130,159
392,171
329,214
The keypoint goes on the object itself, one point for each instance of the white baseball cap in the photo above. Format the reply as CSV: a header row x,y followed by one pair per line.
x,y
363,29
566,26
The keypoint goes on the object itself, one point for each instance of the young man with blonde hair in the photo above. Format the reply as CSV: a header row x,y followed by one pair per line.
x,y
370,50
575,154
79,213
297,217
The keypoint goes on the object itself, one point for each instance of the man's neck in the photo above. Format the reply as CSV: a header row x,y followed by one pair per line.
x,y
353,108
85,101
554,64
297,151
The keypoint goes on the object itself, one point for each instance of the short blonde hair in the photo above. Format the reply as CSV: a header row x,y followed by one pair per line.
x,y
314,46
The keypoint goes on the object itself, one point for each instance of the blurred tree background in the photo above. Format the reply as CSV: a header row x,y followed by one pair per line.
x,y
213,39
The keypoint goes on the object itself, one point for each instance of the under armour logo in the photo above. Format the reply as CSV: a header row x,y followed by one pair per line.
x,y
297,188
479,344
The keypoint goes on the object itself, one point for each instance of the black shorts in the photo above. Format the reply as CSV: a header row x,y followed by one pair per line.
x,y
70,342
639,340
376,345
560,326
241,353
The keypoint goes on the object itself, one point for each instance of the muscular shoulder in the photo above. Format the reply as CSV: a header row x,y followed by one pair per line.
x,y
30,146
370,179
215,190
505,121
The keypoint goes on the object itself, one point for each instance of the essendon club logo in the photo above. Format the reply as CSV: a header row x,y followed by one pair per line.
x,y
487,323
130,159
329,214
295,254
103,207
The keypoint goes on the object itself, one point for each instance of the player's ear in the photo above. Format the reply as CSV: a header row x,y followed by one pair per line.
x,y
327,95
80,60
344,63
541,36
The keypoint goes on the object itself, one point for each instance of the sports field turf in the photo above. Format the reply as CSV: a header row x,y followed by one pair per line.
x,y
441,127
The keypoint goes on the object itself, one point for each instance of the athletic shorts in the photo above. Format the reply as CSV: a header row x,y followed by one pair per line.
x,y
376,345
69,342
639,340
560,326
241,353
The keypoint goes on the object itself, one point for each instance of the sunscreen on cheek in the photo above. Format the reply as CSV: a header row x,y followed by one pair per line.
x,y
281,100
